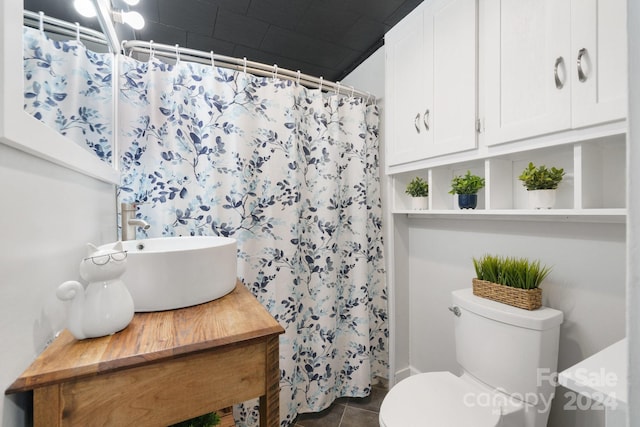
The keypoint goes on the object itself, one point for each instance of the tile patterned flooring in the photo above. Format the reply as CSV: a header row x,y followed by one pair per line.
x,y
347,412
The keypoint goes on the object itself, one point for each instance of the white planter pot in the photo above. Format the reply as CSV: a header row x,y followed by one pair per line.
x,y
542,199
420,203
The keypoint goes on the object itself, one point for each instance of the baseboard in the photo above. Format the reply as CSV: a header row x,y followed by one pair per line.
x,y
380,382
405,373
401,374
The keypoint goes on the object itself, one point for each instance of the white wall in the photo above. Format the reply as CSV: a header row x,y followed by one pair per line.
x,y
47,216
369,76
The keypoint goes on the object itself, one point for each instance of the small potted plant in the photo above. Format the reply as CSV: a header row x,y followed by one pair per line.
x,y
541,184
467,187
513,281
418,189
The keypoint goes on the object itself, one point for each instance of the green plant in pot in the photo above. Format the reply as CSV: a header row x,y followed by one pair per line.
x,y
467,187
510,280
418,189
541,184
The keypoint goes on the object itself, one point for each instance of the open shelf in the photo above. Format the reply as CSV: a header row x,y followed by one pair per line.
x,y
593,188
570,215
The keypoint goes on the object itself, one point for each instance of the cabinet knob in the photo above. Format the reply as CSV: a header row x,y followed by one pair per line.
x,y
416,122
425,119
582,75
556,74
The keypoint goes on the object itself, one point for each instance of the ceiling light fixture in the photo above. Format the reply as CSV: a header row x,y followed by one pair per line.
x,y
133,19
85,8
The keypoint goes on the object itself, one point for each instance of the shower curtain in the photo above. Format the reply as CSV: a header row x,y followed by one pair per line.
x,y
293,175
69,88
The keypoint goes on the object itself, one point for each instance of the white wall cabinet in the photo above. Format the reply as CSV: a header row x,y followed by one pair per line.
x,y
599,58
552,91
406,89
431,72
527,43
552,65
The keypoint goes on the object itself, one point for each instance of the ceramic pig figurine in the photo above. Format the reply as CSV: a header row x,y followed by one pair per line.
x,y
106,306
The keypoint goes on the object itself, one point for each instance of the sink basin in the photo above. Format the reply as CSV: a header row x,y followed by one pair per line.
x,y
173,272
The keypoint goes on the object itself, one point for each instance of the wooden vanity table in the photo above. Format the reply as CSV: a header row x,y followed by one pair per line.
x,y
163,368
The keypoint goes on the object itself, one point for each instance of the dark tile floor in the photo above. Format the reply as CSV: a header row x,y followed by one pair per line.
x,y
347,412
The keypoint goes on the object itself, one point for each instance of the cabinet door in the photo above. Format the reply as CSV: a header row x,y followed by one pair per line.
x,y
598,61
451,31
527,82
405,90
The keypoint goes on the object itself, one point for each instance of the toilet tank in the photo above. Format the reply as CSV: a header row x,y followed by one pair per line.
x,y
508,348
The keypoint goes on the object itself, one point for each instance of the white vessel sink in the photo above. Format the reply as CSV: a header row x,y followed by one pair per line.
x,y
174,272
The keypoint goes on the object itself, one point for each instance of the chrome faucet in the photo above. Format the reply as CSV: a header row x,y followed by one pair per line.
x,y
129,221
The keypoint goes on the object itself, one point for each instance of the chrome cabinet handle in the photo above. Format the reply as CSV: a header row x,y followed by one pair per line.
x,y
416,122
582,76
559,62
455,310
425,119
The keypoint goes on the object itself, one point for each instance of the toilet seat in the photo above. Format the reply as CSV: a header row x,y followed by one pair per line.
x,y
441,399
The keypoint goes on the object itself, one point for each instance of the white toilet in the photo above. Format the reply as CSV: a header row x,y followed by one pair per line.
x,y
508,357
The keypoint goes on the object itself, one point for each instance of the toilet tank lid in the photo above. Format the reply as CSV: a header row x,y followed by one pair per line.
x,y
540,319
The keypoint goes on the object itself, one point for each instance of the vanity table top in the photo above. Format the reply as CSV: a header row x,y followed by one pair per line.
x,y
152,337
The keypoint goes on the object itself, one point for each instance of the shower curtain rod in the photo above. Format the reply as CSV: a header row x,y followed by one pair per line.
x,y
67,29
239,64
63,28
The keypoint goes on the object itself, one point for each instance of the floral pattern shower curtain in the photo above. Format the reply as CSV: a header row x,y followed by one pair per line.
x,y
293,176
69,88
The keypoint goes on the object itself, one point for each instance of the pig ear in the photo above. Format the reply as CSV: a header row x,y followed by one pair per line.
x,y
91,249
118,246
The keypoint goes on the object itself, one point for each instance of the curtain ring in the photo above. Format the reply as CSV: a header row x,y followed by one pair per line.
x,y
244,67
352,91
177,54
320,85
123,48
41,24
213,61
298,78
275,71
337,88
77,31
152,52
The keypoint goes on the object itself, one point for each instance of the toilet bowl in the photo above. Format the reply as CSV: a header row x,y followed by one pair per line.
x,y
441,399
506,355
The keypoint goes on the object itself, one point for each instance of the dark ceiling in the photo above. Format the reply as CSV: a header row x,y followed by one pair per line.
x,y
327,38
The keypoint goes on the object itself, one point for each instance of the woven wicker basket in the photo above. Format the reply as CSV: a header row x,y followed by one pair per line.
x,y
529,299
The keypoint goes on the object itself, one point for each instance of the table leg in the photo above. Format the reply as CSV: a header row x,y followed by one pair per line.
x,y
46,407
269,403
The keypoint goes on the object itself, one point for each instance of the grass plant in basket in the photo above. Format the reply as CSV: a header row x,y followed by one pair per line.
x,y
510,280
